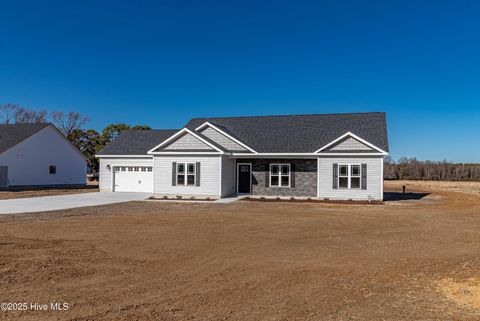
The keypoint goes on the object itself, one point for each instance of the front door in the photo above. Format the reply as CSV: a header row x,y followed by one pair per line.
x,y
244,178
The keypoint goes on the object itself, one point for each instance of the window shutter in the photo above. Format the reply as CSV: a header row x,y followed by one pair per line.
x,y
197,174
364,176
174,174
335,176
267,175
292,175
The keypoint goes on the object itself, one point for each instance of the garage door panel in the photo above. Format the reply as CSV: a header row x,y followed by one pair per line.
x,y
133,179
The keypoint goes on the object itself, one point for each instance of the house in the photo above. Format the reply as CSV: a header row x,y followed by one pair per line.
x,y
334,156
38,155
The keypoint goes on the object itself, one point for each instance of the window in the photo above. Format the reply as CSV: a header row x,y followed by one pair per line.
x,y
279,175
185,174
149,169
137,169
144,169
349,176
52,169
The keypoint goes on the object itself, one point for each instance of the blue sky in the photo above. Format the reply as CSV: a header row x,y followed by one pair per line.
x,y
163,62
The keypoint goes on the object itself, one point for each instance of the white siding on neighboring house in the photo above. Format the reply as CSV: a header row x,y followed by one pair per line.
x,y
228,176
29,161
187,142
222,140
209,176
374,178
350,144
105,175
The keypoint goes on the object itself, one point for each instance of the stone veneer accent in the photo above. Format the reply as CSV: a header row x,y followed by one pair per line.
x,y
305,177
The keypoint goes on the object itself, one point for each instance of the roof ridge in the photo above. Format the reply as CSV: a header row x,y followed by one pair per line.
x,y
151,130
290,115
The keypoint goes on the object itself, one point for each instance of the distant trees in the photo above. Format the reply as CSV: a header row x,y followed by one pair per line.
x,y
71,124
13,113
411,168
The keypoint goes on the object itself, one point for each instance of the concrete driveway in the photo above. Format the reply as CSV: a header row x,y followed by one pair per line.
x,y
61,202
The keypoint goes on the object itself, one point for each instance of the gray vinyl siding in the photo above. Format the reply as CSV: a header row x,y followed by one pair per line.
x,y
209,177
105,175
374,178
187,142
350,144
228,176
223,140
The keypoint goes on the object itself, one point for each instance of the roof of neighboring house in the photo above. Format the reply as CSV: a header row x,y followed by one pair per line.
x,y
300,133
12,134
136,142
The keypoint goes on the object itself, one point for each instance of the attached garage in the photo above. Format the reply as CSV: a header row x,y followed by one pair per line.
x,y
133,179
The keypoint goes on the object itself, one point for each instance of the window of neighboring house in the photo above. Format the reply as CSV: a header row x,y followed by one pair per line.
x,y
52,169
279,175
349,176
186,174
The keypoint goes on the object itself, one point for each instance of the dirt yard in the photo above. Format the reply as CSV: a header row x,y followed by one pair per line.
x,y
25,193
411,259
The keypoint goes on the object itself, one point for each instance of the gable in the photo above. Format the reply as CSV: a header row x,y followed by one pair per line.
x,y
185,143
349,144
46,141
222,140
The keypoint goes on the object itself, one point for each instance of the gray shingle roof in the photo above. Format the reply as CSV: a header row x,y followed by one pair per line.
x,y
12,134
300,133
268,134
136,142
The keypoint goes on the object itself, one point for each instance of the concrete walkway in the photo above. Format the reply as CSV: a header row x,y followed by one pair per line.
x,y
61,202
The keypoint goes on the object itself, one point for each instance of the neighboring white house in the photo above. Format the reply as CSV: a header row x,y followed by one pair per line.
x,y
38,155
331,156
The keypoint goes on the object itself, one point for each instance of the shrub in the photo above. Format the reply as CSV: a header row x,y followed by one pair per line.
x,y
179,197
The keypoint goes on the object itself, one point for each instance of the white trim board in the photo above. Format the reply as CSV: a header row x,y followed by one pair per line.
x,y
180,132
350,134
225,134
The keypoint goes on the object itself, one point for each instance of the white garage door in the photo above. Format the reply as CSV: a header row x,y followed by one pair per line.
x,y
133,179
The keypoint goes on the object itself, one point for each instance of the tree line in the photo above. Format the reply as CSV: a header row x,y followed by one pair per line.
x,y
89,142
412,168
72,125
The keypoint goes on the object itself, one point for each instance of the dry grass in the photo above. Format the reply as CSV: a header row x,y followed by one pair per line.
x,y
25,193
465,293
247,261
463,187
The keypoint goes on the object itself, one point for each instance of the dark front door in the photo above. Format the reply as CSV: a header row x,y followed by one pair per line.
x,y
244,178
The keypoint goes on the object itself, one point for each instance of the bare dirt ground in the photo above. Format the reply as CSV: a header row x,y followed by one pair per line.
x,y
416,259
25,193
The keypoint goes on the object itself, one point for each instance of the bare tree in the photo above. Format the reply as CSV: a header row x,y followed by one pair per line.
x,y
412,168
25,115
70,122
7,113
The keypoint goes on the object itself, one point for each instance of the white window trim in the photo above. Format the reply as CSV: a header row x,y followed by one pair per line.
x,y
280,175
185,174
349,176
